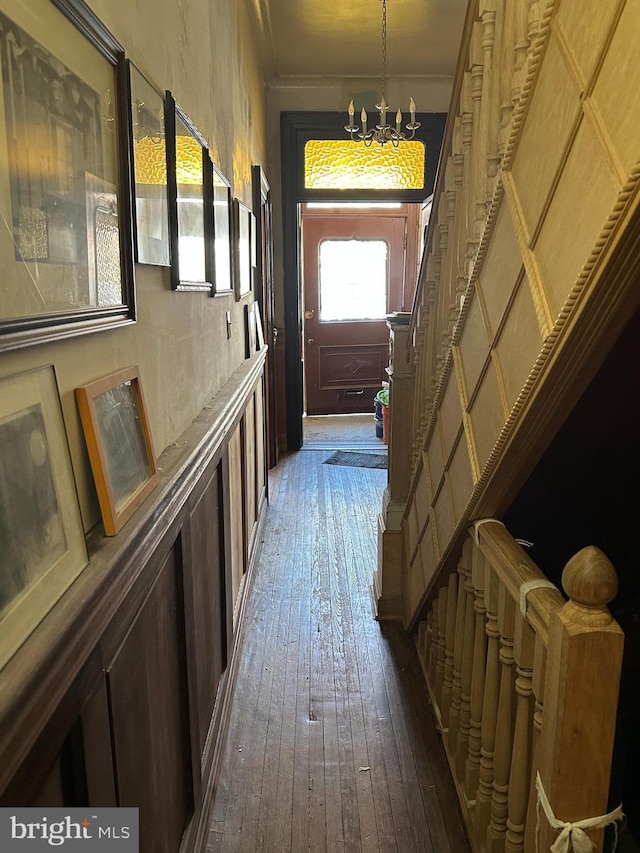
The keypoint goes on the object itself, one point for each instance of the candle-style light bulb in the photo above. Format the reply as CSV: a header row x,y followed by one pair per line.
x,y
383,112
412,109
398,120
351,113
363,118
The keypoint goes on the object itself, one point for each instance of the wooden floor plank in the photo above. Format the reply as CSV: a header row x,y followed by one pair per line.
x,y
331,745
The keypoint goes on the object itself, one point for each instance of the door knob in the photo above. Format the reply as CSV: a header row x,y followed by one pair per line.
x,y
311,340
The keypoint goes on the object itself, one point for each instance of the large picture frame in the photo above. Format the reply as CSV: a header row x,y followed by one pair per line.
x,y
149,166
66,243
42,539
116,430
222,231
190,187
243,270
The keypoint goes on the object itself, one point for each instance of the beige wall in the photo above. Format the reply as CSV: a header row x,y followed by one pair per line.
x,y
205,54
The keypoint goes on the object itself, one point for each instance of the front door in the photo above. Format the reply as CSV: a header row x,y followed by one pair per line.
x,y
353,274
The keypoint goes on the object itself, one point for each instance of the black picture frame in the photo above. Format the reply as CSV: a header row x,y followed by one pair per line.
x,y
68,251
243,269
250,338
149,170
190,202
222,233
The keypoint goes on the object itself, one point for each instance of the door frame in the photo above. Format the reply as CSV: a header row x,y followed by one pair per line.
x,y
263,211
296,128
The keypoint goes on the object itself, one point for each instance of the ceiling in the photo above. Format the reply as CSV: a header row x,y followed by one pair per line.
x,y
342,38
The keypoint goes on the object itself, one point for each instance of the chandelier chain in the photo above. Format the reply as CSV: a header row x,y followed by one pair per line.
x,y
384,49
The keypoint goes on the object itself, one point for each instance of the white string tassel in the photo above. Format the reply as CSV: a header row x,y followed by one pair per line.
x,y
527,586
573,836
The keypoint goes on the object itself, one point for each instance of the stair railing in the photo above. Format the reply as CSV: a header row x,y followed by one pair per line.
x,y
524,682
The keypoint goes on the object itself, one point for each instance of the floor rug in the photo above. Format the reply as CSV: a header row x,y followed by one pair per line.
x,y
357,460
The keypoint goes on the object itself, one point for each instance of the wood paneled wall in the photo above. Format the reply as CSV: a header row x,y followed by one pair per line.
x,y
120,696
531,252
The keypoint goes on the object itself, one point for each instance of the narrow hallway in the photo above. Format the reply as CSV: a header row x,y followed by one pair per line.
x,y
331,743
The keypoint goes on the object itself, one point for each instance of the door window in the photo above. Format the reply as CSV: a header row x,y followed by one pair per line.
x,y
353,280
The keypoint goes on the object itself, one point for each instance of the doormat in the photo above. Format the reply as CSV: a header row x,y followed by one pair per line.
x,y
357,460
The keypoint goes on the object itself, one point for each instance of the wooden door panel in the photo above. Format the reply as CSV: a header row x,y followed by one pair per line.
x,y
351,366
149,717
209,606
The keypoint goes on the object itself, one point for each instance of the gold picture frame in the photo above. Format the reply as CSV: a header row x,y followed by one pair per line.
x,y
118,437
42,539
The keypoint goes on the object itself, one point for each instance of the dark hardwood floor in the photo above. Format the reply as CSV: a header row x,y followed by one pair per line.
x,y
332,745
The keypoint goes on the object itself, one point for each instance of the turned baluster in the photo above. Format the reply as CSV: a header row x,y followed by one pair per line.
x,y
468,653
427,635
520,776
489,710
450,634
584,660
456,690
505,726
433,649
472,769
420,641
539,673
442,644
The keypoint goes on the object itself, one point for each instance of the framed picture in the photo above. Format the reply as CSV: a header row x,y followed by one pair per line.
x,y
254,241
222,224
242,248
189,186
259,329
66,248
41,536
149,170
249,329
116,430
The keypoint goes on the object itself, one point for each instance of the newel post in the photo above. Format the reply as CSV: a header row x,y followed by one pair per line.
x,y
581,695
387,581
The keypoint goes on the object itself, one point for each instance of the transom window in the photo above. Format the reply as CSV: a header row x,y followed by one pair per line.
x,y
342,164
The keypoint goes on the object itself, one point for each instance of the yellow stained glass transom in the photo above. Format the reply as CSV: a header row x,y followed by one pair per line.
x,y
340,164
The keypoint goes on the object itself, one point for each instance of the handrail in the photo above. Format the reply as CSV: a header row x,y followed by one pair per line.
x,y
514,567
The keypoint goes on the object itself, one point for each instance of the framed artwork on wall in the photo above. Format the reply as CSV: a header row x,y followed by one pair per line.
x,y
243,270
190,187
116,430
249,329
259,329
222,229
149,158
65,244
42,540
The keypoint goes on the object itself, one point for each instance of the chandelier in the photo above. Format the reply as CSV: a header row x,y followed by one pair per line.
x,y
382,132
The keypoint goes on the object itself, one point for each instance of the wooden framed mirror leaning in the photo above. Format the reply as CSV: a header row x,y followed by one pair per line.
x,y
65,194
